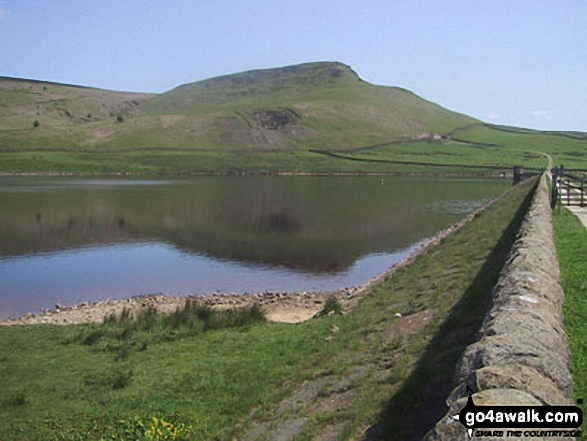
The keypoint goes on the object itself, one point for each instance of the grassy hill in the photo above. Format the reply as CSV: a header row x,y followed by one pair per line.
x,y
316,105
314,117
68,115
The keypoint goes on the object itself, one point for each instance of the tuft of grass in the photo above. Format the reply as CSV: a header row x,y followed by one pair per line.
x,y
123,333
121,379
112,379
17,399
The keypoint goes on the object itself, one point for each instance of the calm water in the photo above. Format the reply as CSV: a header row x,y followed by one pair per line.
x,y
68,241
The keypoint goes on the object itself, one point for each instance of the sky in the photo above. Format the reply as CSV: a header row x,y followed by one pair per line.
x,y
512,62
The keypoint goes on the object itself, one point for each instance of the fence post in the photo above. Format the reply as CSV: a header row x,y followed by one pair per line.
x,y
517,174
554,190
582,190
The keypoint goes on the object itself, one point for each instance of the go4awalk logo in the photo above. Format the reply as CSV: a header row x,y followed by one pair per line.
x,y
520,421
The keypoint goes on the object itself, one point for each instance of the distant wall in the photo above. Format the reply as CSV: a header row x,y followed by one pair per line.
x,y
522,355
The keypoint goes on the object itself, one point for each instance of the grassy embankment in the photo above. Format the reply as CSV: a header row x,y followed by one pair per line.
x,y
395,370
571,245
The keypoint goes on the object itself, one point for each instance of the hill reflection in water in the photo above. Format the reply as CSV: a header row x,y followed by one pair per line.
x,y
81,240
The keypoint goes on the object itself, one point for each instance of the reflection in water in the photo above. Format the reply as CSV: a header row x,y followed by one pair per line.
x,y
268,213
36,282
312,229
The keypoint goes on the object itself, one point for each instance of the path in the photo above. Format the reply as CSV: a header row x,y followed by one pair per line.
x,y
580,212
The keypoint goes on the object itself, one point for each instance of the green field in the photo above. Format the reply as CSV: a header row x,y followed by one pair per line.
x,y
444,157
571,245
81,382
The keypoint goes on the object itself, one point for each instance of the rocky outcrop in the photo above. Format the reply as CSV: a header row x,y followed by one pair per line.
x,y
275,118
522,355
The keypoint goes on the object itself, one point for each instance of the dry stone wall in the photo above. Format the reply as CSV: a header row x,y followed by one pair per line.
x,y
522,355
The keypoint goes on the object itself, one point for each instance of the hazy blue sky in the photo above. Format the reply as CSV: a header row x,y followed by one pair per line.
x,y
516,62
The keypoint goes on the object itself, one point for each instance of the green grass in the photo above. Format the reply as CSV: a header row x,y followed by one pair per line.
x,y
447,152
178,162
209,382
571,245
220,381
564,149
443,157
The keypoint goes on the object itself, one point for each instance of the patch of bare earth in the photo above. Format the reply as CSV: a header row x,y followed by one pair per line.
x,y
102,134
171,120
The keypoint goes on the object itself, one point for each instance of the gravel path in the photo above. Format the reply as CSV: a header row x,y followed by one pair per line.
x,y
580,212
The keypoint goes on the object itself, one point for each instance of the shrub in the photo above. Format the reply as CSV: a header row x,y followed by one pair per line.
x,y
332,306
147,318
36,123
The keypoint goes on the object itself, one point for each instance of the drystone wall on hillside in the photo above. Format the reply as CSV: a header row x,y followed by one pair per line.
x,y
522,355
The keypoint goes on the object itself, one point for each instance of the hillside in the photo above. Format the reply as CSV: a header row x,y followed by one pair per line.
x,y
314,117
314,105
68,115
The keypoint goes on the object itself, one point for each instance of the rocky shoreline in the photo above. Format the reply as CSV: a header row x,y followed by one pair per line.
x,y
288,307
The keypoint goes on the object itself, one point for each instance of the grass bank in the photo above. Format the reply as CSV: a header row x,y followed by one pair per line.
x,y
384,368
192,161
571,245
477,151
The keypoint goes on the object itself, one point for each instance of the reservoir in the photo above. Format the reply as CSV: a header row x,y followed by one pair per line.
x,y
71,240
